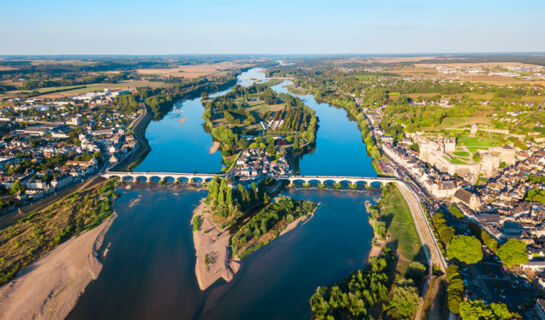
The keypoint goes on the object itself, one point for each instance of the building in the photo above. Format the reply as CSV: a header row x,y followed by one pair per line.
x,y
37,131
75,121
61,181
467,198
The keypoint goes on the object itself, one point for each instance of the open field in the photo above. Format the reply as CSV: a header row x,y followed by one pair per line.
x,y
479,141
475,64
461,154
457,122
6,68
407,71
76,62
456,160
95,87
192,71
263,107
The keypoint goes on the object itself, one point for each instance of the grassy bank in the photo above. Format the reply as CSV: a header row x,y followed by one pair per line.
x,y
399,224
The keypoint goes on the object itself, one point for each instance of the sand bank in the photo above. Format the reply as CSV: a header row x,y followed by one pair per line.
x,y
215,146
212,242
50,287
299,221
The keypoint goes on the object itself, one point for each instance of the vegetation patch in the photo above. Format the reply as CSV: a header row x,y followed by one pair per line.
x,y
40,231
268,223
399,223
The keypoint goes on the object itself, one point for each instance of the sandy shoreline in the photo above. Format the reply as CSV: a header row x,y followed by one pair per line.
x,y
211,241
299,221
50,287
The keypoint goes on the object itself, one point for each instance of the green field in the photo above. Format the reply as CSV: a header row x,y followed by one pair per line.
x,y
399,221
461,154
456,160
475,149
479,141
456,122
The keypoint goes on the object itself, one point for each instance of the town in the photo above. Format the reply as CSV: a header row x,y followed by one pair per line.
x,y
493,192
49,144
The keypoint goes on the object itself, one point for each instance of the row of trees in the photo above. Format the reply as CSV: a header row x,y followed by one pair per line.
x,y
220,196
455,288
478,310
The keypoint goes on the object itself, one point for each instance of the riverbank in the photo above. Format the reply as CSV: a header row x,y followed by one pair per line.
x,y
62,275
299,221
212,249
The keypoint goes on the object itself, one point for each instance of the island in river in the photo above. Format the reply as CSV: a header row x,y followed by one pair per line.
x,y
256,117
232,222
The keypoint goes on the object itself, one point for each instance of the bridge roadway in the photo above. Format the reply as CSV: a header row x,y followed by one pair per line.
x,y
147,176
423,228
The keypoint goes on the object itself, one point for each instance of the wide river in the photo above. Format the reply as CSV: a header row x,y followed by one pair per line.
x,y
148,272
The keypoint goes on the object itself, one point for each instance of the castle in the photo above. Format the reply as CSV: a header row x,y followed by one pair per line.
x,y
435,152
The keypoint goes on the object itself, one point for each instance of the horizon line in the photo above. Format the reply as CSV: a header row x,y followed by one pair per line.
x,y
273,54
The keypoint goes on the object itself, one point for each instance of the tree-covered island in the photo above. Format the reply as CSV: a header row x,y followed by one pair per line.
x,y
235,220
278,126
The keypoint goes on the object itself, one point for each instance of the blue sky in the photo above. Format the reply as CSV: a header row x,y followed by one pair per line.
x,y
294,26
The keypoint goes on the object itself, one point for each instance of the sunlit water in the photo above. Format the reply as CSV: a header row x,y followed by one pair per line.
x,y
149,270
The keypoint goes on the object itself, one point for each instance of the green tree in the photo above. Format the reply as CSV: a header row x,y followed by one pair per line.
x,y
17,187
490,242
416,271
479,310
455,288
513,252
446,233
404,302
466,249
213,190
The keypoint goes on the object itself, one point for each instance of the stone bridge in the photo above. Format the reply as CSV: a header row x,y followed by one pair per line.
x,y
161,176
431,248
336,179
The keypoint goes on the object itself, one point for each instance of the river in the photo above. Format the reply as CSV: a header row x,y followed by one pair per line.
x,y
149,270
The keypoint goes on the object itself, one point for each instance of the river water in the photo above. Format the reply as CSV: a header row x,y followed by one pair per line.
x,y
148,272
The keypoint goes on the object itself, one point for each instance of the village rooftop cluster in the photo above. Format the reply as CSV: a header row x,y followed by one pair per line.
x,y
46,145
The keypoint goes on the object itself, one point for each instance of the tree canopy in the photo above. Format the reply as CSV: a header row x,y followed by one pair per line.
x,y
466,249
513,252
479,310
405,301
